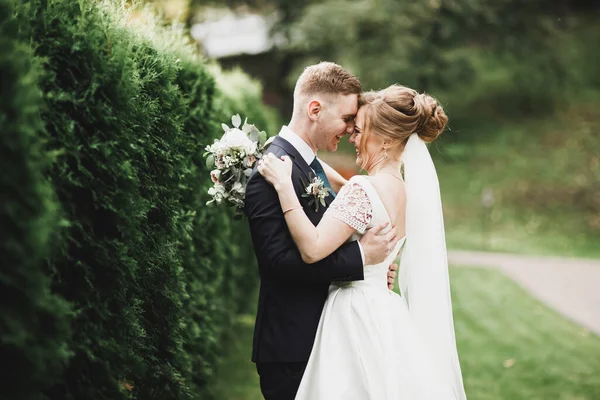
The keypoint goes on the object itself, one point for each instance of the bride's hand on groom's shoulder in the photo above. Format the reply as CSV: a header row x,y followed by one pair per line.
x,y
276,171
378,245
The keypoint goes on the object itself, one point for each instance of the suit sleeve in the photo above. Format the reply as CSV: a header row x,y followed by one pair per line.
x,y
276,250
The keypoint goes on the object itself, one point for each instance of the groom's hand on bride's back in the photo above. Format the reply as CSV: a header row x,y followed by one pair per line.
x,y
378,245
392,275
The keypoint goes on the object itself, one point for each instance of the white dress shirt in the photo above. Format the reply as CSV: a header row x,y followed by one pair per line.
x,y
308,155
299,144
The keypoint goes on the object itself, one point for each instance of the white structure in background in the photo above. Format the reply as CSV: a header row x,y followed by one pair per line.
x,y
233,34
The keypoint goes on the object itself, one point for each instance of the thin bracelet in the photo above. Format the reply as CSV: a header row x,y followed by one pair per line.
x,y
292,208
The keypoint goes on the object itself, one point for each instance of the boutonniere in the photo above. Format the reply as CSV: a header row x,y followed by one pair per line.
x,y
316,191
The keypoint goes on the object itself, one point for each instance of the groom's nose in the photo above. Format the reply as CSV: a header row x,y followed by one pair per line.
x,y
350,128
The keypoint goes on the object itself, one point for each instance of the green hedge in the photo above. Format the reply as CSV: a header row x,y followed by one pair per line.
x,y
224,272
152,276
33,321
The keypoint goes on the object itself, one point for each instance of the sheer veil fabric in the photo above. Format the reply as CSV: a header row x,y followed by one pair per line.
x,y
424,280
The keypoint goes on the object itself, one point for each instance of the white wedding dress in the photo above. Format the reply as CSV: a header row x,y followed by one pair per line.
x,y
367,346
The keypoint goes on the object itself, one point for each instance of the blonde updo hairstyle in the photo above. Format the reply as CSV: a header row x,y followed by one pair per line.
x,y
397,112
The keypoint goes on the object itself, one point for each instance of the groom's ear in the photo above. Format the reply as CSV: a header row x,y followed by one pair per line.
x,y
314,109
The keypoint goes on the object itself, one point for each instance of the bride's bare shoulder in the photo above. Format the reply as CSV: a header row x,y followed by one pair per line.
x,y
386,183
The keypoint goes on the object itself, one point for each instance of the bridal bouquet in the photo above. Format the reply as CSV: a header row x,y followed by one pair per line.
x,y
231,159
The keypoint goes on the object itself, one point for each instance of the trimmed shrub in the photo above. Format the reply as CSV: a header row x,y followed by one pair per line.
x,y
152,275
33,321
223,273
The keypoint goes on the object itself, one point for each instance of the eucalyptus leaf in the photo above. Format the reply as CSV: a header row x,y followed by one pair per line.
x,y
210,162
304,184
248,172
262,137
253,135
236,120
247,128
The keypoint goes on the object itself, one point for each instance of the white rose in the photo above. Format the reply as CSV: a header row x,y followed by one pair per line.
x,y
215,175
216,147
237,139
218,190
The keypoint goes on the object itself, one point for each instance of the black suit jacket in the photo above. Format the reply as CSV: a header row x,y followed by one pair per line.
x,y
292,293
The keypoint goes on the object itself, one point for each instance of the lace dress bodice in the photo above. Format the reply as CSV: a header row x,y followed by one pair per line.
x,y
359,206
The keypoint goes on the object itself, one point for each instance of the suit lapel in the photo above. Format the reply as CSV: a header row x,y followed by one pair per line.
x,y
297,159
294,155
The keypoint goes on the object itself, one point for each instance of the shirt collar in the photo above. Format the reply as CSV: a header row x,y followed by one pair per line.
x,y
299,144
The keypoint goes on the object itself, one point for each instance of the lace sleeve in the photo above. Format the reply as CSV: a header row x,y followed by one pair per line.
x,y
352,206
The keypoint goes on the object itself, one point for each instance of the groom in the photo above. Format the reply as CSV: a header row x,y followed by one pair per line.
x,y
292,293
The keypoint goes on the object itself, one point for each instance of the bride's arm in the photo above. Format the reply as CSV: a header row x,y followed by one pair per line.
x,y
337,181
313,242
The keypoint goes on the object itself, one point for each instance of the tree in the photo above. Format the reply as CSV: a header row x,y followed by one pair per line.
x,y
418,42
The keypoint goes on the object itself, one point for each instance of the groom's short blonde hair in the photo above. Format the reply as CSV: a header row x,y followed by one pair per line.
x,y
326,78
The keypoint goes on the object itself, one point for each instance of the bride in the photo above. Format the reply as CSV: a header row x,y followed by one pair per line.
x,y
360,352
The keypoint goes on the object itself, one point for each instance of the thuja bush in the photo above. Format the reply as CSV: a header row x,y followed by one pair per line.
x,y
152,276
247,103
224,274
33,321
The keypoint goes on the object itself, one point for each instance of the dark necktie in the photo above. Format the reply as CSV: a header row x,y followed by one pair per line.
x,y
318,168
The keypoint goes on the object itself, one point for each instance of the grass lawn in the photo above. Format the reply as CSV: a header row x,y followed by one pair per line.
x,y
511,347
543,182
236,376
